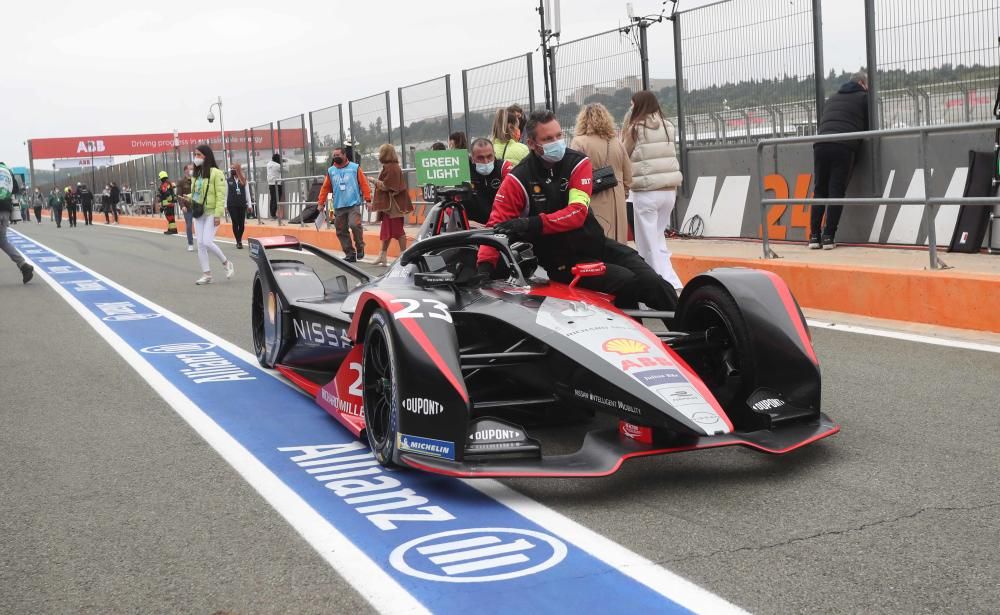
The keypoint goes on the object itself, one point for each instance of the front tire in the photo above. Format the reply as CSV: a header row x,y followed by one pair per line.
x,y
381,394
257,316
728,370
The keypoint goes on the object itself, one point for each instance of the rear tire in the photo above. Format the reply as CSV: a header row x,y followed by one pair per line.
x,y
729,372
257,316
381,395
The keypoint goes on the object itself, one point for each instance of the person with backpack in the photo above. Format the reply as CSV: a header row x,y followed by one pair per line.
x,y
236,202
207,203
8,190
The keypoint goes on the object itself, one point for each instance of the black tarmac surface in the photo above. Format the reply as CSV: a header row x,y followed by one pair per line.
x,y
110,503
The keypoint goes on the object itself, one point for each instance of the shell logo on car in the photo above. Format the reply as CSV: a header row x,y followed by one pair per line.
x,y
625,346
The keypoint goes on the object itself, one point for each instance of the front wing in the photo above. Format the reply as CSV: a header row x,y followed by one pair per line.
x,y
604,451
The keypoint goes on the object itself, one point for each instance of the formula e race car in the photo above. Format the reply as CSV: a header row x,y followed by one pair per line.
x,y
445,371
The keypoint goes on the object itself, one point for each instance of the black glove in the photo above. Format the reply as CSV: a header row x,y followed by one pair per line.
x,y
520,228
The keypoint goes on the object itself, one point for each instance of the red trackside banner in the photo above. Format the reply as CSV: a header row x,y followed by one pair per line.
x,y
138,145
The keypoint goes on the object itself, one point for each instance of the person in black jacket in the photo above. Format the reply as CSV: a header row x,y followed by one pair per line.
x,y
86,200
845,111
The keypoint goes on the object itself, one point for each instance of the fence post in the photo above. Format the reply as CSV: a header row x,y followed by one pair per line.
x,y
402,122
644,53
872,59
465,100
312,146
447,96
388,118
817,12
531,84
679,91
552,77
281,172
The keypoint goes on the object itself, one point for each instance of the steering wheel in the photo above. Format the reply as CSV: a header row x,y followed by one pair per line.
x,y
474,238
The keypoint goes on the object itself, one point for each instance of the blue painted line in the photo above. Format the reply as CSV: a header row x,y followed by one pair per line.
x,y
434,535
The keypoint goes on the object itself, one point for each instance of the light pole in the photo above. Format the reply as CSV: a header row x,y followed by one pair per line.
x,y
222,128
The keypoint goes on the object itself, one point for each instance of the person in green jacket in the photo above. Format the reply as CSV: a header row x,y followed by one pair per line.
x,y
507,137
208,205
56,206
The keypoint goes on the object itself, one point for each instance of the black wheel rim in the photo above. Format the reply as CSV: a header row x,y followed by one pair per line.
x,y
720,369
378,378
257,320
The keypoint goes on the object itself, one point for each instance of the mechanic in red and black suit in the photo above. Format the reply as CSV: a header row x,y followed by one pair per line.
x,y
546,200
486,177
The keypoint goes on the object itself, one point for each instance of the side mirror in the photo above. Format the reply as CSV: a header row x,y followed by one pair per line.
x,y
587,270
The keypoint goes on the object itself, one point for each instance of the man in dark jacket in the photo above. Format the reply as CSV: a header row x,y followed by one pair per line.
x,y
845,111
85,198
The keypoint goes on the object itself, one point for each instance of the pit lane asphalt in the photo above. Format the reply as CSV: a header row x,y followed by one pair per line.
x,y
110,501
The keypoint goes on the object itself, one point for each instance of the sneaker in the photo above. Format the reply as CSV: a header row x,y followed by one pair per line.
x,y
205,279
190,248
169,232
814,242
27,272
828,243
239,246
351,258
230,269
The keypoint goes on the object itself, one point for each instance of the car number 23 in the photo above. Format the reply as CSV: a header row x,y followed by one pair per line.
x,y
421,308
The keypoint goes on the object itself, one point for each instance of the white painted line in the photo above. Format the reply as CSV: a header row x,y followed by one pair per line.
x,y
902,335
647,572
350,562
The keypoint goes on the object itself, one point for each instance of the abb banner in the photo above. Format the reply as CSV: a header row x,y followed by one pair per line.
x,y
139,145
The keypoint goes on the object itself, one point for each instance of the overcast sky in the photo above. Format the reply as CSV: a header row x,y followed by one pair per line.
x,y
122,66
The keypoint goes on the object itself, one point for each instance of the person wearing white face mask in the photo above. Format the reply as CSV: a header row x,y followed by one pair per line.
x,y
486,176
545,200
208,205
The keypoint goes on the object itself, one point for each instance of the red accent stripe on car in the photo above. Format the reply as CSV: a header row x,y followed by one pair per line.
x,y
418,334
793,313
298,380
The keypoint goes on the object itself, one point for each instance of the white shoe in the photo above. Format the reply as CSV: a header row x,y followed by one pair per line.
x,y
230,269
205,279
190,248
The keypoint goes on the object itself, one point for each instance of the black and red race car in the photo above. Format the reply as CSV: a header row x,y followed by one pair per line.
x,y
444,371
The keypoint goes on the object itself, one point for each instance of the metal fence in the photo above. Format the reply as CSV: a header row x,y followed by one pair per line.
x,y
327,132
604,68
371,126
492,86
291,141
424,115
936,60
748,71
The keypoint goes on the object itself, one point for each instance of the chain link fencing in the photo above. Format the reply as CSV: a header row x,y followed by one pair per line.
x,y
371,126
493,86
424,115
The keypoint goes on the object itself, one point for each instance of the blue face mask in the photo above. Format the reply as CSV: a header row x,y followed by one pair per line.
x,y
554,152
484,168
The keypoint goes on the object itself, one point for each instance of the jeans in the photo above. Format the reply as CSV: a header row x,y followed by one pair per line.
x,y
88,214
833,163
347,221
56,212
206,241
652,217
112,208
189,225
276,192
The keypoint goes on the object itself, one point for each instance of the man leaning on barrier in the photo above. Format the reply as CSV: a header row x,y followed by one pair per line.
x,y
844,111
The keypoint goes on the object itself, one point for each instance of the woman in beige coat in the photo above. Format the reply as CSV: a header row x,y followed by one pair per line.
x,y
595,137
649,141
